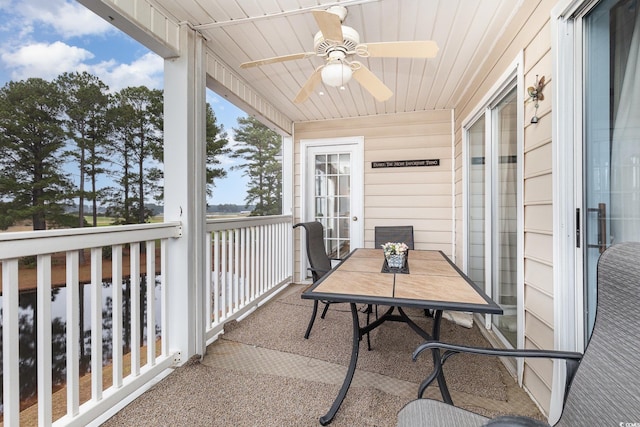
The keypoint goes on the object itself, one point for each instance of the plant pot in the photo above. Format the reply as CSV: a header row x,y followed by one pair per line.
x,y
395,261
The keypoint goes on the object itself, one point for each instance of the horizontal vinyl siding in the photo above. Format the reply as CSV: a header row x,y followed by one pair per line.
x,y
529,32
418,196
538,232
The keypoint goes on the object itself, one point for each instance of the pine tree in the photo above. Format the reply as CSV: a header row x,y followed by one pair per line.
x,y
32,183
217,145
260,149
86,102
137,140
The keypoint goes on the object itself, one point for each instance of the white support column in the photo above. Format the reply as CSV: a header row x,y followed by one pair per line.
x,y
185,199
288,166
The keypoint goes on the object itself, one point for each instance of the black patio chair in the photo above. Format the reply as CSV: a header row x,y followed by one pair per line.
x,y
320,263
395,233
604,391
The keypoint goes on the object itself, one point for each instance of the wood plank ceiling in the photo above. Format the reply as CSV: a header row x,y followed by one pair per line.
x,y
238,31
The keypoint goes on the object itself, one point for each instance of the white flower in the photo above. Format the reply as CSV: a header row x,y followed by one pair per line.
x,y
391,248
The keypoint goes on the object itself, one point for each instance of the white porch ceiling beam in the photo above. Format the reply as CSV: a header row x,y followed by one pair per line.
x,y
140,20
227,83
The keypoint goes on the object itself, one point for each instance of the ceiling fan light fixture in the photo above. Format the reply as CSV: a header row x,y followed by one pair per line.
x,y
336,74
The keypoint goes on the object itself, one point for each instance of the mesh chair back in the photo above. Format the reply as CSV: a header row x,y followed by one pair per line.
x,y
606,387
401,233
316,252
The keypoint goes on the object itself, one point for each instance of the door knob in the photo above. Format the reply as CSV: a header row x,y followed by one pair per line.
x,y
355,218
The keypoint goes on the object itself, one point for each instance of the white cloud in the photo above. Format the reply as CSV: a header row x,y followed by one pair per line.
x,y
148,70
49,60
67,18
45,60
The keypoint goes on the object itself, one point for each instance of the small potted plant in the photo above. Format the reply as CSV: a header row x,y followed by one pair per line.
x,y
395,253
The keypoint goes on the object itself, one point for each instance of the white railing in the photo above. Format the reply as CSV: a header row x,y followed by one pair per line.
x,y
249,259
129,371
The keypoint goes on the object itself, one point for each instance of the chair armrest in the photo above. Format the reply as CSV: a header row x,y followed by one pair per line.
x,y
572,358
455,348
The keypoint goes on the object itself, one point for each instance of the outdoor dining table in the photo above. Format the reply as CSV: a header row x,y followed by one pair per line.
x,y
429,280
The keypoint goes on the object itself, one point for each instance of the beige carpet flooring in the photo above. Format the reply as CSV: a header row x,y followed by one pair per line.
x,y
262,372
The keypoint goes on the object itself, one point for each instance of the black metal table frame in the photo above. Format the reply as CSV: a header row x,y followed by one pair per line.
x,y
359,332
396,303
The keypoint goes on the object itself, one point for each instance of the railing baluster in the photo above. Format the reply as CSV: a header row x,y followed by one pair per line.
x,y
263,258
10,342
252,263
43,305
216,278
164,268
233,293
96,323
223,274
151,303
73,334
243,265
207,283
116,298
134,283
236,268
273,254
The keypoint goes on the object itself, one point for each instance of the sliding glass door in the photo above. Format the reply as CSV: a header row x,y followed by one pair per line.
x,y
611,152
504,215
492,206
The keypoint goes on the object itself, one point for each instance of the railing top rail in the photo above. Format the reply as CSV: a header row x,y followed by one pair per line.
x,y
28,243
241,222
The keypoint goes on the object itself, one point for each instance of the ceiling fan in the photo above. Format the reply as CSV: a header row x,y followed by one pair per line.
x,y
338,44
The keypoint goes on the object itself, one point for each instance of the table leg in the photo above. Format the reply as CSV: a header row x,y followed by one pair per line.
x,y
328,417
437,361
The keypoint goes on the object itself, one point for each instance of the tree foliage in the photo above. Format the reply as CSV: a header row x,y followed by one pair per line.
x,y
86,102
32,183
260,151
74,127
137,140
217,145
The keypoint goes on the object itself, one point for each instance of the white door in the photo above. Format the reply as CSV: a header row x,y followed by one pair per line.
x,y
333,191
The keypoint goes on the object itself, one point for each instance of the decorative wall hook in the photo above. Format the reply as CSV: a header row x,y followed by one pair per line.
x,y
535,95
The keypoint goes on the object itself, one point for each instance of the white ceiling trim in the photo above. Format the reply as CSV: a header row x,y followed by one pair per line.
x,y
279,14
141,21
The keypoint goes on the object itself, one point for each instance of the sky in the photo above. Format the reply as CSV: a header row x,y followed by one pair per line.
x,y
45,38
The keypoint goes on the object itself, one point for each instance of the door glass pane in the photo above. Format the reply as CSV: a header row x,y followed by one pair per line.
x,y
611,151
505,283
345,164
476,203
333,209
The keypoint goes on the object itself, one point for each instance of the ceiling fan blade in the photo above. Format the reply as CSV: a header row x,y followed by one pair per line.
x,y
309,86
329,24
277,59
372,84
408,49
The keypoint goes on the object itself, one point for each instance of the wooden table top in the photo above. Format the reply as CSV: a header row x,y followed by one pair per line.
x,y
433,282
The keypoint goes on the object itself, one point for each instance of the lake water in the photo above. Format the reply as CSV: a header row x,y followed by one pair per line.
x,y
28,332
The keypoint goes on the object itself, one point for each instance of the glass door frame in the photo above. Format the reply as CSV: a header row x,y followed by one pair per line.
x,y
568,172
354,146
511,78
567,41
